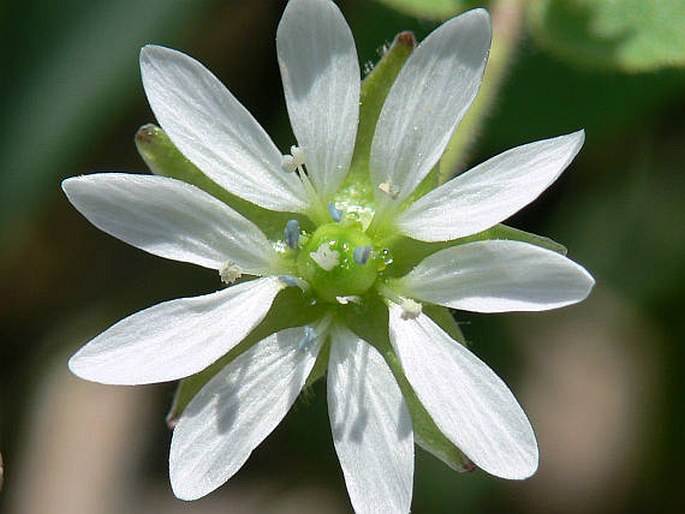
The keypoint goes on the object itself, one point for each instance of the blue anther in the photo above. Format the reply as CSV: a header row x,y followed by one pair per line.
x,y
362,254
291,234
336,214
292,281
289,280
308,338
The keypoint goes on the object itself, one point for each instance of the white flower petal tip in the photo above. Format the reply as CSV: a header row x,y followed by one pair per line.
x,y
371,426
212,129
427,101
491,192
236,410
321,79
498,276
469,403
175,339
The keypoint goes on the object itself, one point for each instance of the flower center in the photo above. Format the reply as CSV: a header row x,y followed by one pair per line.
x,y
338,261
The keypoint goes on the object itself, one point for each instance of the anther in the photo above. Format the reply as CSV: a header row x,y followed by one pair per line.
x,y
293,281
410,309
362,254
308,338
230,272
294,161
325,257
389,188
291,233
344,300
336,214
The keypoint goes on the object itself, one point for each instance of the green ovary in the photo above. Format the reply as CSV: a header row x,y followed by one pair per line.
x,y
347,277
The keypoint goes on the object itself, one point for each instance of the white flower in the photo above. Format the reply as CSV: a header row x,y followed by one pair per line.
x,y
342,265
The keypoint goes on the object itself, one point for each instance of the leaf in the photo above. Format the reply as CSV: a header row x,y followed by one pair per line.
x,y
428,9
629,35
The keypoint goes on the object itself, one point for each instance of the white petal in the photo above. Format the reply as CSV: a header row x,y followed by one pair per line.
x,y
498,276
235,412
212,129
371,426
320,73
428,99
175,339
490,192
468,402
172,219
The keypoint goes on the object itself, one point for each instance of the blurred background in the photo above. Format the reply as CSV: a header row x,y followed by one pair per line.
x,y
602,381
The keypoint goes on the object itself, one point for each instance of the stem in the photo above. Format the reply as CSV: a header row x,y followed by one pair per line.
x,y
507,18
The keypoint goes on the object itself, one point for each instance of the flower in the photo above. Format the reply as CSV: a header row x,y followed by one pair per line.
x,y
357,250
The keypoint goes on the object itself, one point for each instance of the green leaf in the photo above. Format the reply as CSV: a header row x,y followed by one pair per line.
x,y
370,322
290,309
428,9
163,158
630,35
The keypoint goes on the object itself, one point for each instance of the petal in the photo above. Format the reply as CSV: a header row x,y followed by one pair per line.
x,y
491,192
212,129
371,426
235,412
498,276
321,78
175,339
428,99
468,402
172,219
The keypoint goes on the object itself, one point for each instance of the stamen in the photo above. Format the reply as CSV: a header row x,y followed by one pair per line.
x,y
336,214
308,338
362,254
315,333
344,300
293,281
298,154
325,257
291,234
230,272
410,309
294,161
389,188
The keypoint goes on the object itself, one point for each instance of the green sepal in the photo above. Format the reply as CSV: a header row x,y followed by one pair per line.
x,y
163,158
370,322
408,252
357,187
374,90
320,366
502,231
291,308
